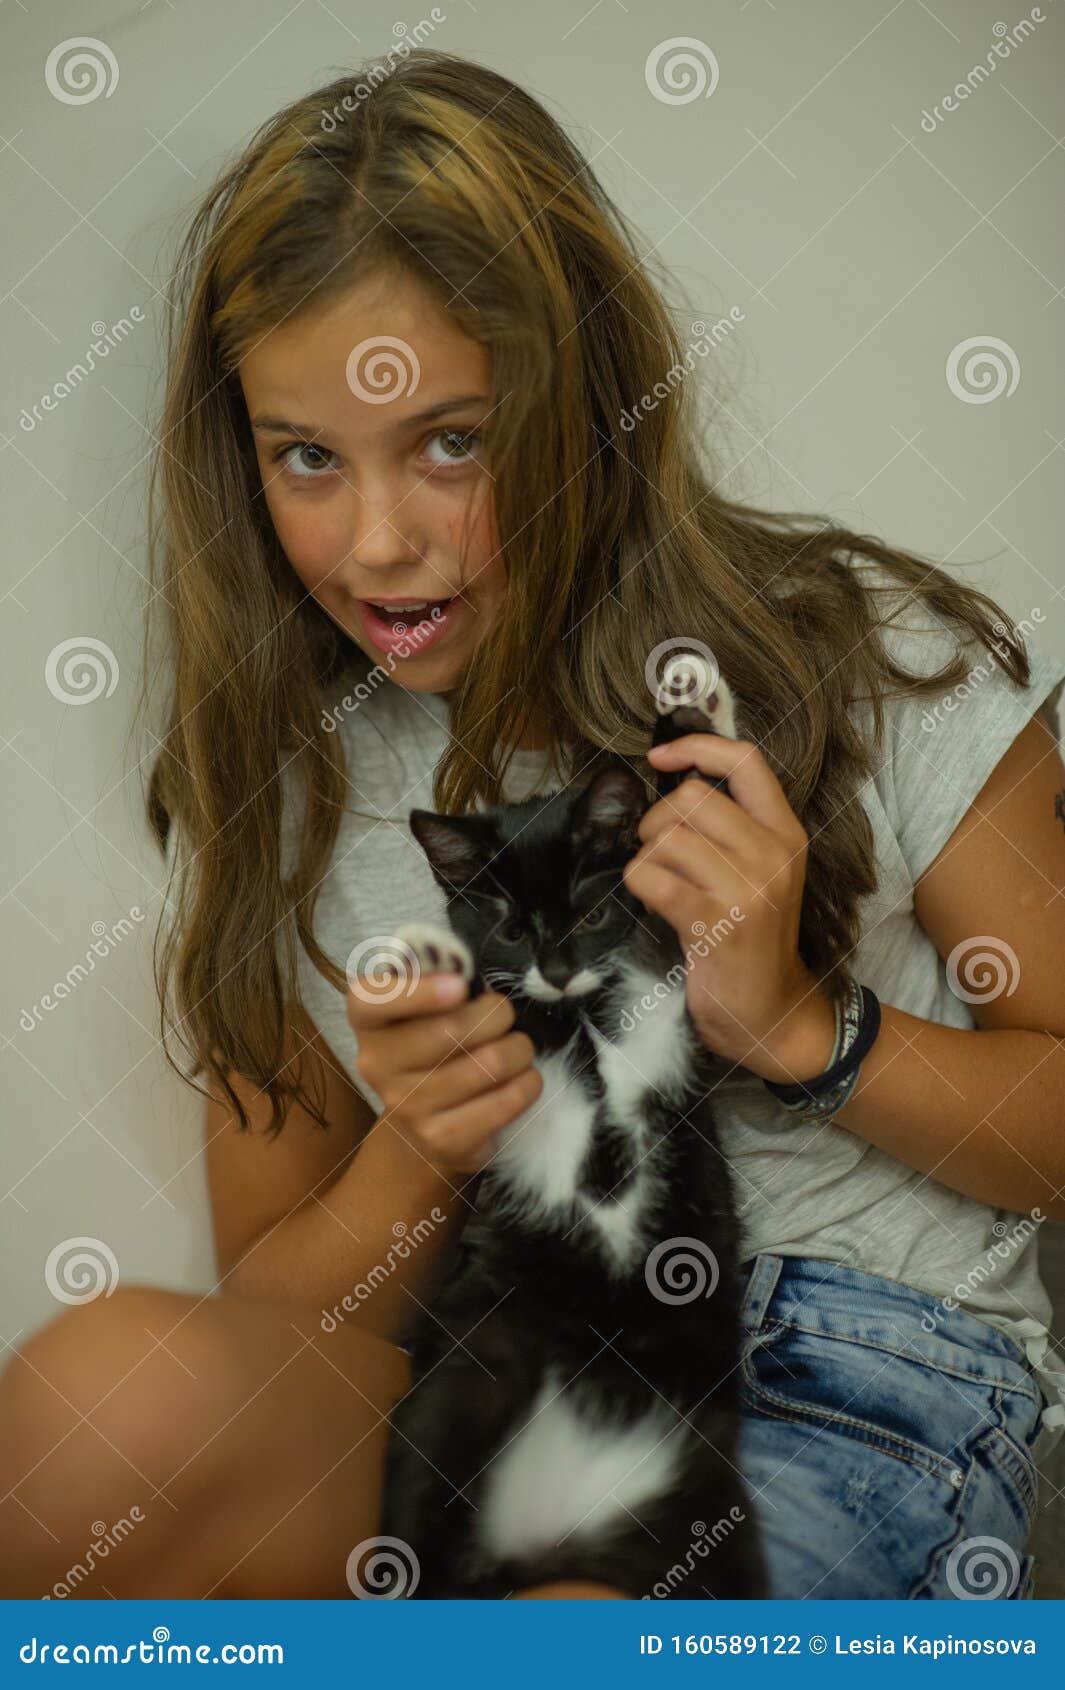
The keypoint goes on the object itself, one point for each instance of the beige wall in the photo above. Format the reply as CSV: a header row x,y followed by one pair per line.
x,y
858,234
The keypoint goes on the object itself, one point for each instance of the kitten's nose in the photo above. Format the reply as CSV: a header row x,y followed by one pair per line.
x,y
556,971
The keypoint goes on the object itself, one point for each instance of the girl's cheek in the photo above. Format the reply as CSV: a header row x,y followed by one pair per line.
x,y
313,540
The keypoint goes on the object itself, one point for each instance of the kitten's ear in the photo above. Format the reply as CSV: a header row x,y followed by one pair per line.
x,y
448,842
606,814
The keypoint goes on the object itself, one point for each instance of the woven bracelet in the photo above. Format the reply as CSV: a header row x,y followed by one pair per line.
x,y
863,1016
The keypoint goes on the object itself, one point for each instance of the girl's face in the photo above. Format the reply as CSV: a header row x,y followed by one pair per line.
x,y
365,418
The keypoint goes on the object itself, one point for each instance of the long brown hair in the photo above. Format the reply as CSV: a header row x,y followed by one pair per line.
x,y
614,537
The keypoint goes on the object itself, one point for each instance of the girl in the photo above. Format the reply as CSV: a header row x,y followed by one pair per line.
x,y
418,363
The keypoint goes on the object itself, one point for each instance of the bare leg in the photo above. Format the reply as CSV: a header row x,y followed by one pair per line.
x,y
241,1446
575,1590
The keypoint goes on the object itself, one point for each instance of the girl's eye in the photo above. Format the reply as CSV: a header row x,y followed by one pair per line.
x,y
456,446
596,917
511,933
309,472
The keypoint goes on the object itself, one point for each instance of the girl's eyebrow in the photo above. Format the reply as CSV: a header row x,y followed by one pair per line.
x,y
269,424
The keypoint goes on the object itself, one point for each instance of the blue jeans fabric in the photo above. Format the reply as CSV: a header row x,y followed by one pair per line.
x,y
885,1441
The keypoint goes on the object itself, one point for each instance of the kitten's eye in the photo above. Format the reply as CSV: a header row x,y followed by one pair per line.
x,y
511,933
596,917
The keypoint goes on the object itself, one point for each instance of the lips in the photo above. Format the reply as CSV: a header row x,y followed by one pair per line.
x,y
408,631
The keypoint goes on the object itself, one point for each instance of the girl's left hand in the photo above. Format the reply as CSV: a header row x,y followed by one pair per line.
x,y
727,871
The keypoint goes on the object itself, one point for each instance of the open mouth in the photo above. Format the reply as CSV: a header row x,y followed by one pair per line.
x,y
407,613
409,628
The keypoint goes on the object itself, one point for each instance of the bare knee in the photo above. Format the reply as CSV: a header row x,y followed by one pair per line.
x,y
111,1365
95,1414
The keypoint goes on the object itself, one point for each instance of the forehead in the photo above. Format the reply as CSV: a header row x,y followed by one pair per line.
x,y
382,352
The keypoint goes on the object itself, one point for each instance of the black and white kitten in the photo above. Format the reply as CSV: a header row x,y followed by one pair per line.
x,y
574,1406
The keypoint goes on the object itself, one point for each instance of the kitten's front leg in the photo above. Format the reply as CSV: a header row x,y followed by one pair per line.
x,y
691,698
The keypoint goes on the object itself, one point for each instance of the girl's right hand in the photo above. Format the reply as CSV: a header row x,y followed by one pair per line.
x,y
450,1077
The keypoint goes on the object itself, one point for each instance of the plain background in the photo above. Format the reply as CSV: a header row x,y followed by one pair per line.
x,y
860,248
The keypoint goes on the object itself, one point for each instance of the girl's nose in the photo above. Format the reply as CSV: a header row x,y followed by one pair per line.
x,y
380,530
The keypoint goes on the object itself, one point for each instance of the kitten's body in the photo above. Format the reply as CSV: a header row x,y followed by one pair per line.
x,y
574,1410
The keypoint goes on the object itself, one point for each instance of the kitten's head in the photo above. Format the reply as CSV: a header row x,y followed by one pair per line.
x,y
535,888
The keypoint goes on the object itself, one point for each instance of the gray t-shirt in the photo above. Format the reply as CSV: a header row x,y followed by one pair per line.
x,y
810,1190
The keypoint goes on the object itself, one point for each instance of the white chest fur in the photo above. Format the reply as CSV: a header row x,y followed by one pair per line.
x,y
541,1154
562,1474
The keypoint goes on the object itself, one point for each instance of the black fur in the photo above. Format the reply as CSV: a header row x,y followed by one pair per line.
x,y
524,1295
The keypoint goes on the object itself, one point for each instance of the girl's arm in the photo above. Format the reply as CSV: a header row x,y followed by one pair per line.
x,y
984,1111
323,1214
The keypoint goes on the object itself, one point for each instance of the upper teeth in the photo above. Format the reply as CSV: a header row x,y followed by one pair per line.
x,y
420,606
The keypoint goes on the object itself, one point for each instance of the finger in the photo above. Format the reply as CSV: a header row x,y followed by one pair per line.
x,y
750,779
698,862
713,814
671,896
462,1132
373,1002
410,1046
467,1076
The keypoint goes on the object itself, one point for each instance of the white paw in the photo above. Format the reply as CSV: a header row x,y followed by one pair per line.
x,y
690,683
434,948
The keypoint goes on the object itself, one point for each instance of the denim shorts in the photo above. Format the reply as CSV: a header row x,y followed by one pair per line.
x,y
884,1457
